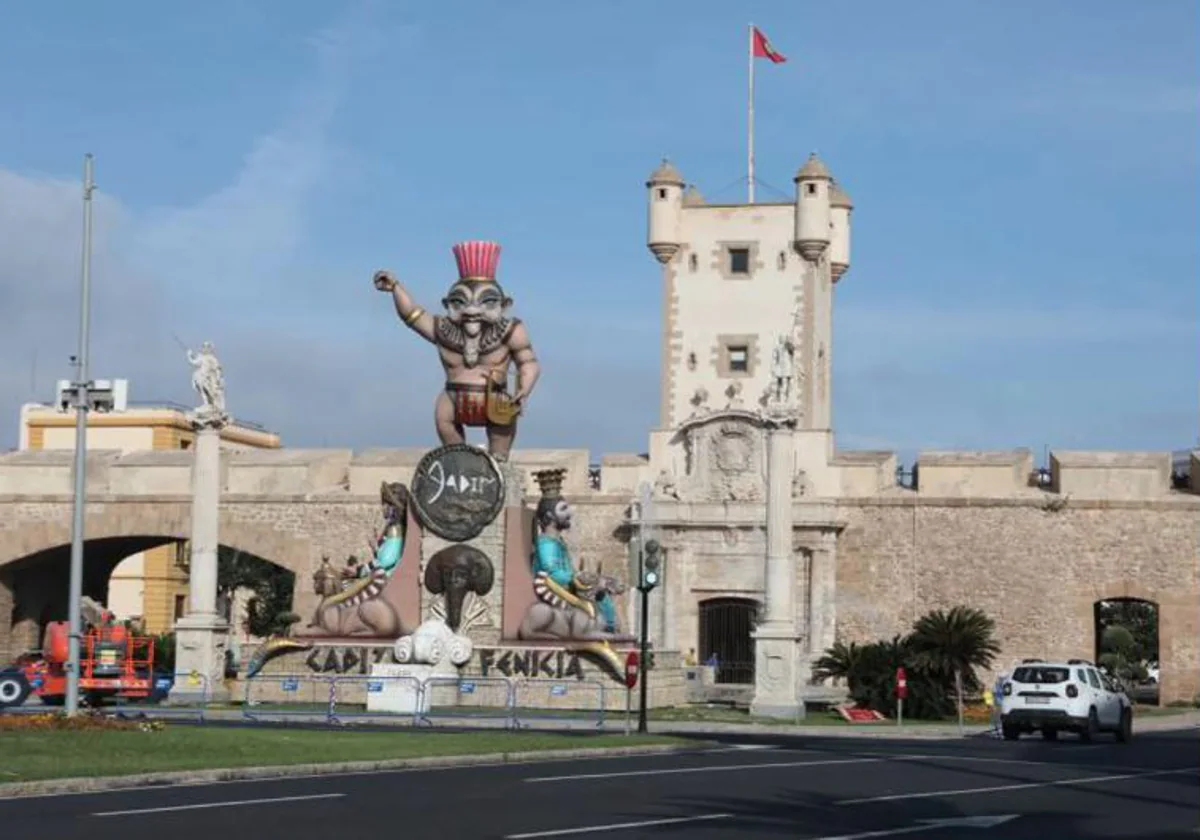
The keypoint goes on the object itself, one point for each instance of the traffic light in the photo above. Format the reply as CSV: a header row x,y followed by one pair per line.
x,y
648,665
651,566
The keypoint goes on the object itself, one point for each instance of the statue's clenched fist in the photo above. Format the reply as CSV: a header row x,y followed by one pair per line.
x,y
384,281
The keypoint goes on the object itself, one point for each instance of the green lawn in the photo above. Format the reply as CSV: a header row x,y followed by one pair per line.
x,y
25,756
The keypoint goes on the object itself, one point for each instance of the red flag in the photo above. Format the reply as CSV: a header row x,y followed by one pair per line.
x,y
763,48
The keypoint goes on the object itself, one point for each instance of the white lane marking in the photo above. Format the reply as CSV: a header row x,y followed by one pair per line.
x,y
929,825
718,768
986,760
532,759
1087,780
588,829
231,804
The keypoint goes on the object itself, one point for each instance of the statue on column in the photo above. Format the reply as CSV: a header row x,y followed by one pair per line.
x,y
783,367
208,379
477,342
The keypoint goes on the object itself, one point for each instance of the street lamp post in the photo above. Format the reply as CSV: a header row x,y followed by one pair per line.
x,y
82,400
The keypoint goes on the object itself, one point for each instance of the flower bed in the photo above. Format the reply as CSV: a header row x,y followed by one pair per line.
x,y
89,721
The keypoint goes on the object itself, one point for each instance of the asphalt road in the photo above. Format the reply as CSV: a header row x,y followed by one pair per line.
x,y
750,787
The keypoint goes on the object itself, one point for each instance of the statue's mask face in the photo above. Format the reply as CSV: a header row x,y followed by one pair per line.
x,y
473,306
562,514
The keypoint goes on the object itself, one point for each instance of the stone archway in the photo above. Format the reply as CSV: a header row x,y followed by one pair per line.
x,y
1178,629
138,525
165,521
1126,641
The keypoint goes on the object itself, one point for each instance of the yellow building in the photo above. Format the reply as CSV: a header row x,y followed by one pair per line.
x,y
151,585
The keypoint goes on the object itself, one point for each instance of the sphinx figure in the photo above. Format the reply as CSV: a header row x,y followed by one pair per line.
x,y
351,602
572,605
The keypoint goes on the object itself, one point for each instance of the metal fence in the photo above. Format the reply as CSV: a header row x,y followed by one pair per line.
x,y
471,702
491,702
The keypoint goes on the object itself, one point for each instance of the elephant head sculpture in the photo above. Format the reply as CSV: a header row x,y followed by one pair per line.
x,y
453,572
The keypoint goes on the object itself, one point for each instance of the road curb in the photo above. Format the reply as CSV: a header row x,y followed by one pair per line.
x,y
101,784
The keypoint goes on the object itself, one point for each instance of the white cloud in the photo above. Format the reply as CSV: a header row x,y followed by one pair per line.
x,y
154,273
220,270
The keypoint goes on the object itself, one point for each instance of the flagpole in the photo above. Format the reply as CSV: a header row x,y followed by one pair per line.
x,y
750,120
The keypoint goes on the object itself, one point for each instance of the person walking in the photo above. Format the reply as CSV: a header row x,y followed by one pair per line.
x,y
993,700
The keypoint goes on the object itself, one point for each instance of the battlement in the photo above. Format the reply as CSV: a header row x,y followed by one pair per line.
x,y
974,473
280,472
1118,476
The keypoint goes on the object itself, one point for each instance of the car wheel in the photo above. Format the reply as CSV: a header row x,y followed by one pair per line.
x,y
1125,730
14,688
1010,732
1049,734
1093,725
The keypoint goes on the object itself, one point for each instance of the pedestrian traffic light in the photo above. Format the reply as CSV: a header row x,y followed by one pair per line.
x,y
651,565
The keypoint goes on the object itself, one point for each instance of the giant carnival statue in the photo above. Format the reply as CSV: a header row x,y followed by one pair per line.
x,y
456,491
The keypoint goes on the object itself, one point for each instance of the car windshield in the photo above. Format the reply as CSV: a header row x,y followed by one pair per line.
x,y
1041,675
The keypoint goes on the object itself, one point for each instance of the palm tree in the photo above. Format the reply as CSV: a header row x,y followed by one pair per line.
x,y
955,643
838,663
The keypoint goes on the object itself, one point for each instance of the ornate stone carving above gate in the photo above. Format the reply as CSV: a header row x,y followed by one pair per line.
x,y
726,458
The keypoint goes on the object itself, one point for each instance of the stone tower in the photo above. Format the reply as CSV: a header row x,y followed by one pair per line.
x,y
737,278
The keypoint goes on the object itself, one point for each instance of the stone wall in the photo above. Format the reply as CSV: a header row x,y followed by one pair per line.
x,y
979,529
1036,570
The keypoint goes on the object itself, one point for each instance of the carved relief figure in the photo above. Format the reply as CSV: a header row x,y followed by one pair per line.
x,y
350,600
208,378
665,485
477,342
568,606
456,572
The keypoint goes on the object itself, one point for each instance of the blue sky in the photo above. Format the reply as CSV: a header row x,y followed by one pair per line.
x,y
1024,174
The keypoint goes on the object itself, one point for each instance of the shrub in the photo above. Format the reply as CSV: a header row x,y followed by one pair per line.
x,y
870,674
939,657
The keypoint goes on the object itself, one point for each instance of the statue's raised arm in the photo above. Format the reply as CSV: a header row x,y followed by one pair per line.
x,y
417,319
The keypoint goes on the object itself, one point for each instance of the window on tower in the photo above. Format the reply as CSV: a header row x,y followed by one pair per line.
x,y
662,193
739,260
739,358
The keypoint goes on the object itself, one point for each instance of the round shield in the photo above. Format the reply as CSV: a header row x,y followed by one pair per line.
x,y
457,491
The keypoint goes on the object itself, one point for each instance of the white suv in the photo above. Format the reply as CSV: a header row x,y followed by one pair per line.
x,y
1056,696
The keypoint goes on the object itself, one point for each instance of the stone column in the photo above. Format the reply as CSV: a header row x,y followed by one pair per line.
x,y
822,594
776,654
202,635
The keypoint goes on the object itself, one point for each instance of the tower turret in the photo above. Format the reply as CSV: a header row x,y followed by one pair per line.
x,y
812,209
666,211
839,217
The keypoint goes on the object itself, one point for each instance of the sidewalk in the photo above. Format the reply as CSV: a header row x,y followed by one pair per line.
x,y
615,723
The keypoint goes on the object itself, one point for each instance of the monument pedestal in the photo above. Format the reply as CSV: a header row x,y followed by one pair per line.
x,y
200,643
776,673
399,689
